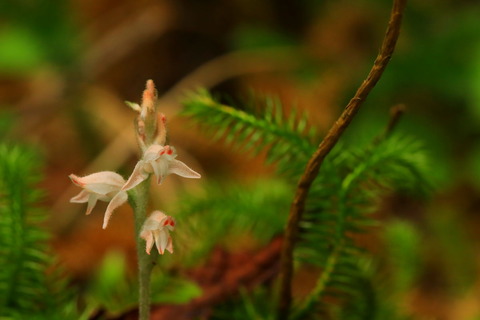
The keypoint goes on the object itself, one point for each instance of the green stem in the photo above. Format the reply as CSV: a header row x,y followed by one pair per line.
x,y
139,200
321,284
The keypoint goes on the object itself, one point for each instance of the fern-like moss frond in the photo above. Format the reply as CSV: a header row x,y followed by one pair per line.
x,y
229,214
339,205
25,287
371,300
287,139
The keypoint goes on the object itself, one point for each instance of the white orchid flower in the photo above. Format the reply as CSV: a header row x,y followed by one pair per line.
x,y
159,160
104,186
156,229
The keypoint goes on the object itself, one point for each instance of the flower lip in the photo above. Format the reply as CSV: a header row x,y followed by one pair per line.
x,y
166,150
169,221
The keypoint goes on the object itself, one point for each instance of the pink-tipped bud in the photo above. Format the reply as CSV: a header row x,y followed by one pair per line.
x,y
147,121
161,129
149,97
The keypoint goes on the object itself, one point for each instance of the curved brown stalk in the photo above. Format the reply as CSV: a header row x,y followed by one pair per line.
x,y
313,165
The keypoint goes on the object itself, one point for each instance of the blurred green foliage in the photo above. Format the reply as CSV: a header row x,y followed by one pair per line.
x,y
114,290
250,37
230,215
27,288
403,254
21,51
453,244
36,32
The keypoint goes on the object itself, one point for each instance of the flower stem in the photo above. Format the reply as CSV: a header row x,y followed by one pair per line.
x,y
139,200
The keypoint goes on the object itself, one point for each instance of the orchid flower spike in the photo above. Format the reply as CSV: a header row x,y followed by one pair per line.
x,y
159,160
150,125
156,229
105,186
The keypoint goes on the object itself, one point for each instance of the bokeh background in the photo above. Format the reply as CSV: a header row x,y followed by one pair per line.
x,y
67,66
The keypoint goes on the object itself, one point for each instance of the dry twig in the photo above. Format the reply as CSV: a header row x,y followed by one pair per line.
x,y
396,113
313,165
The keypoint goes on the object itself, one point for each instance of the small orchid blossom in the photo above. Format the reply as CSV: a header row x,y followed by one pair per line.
x,y
156,229
159,160
105,186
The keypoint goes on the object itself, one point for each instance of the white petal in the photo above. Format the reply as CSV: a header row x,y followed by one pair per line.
x,y
92,201
169,244
161,239
109,177
102,188
138,175
160,168
101,182
153,152
116,202
154,221
181,169
81,197
148,236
